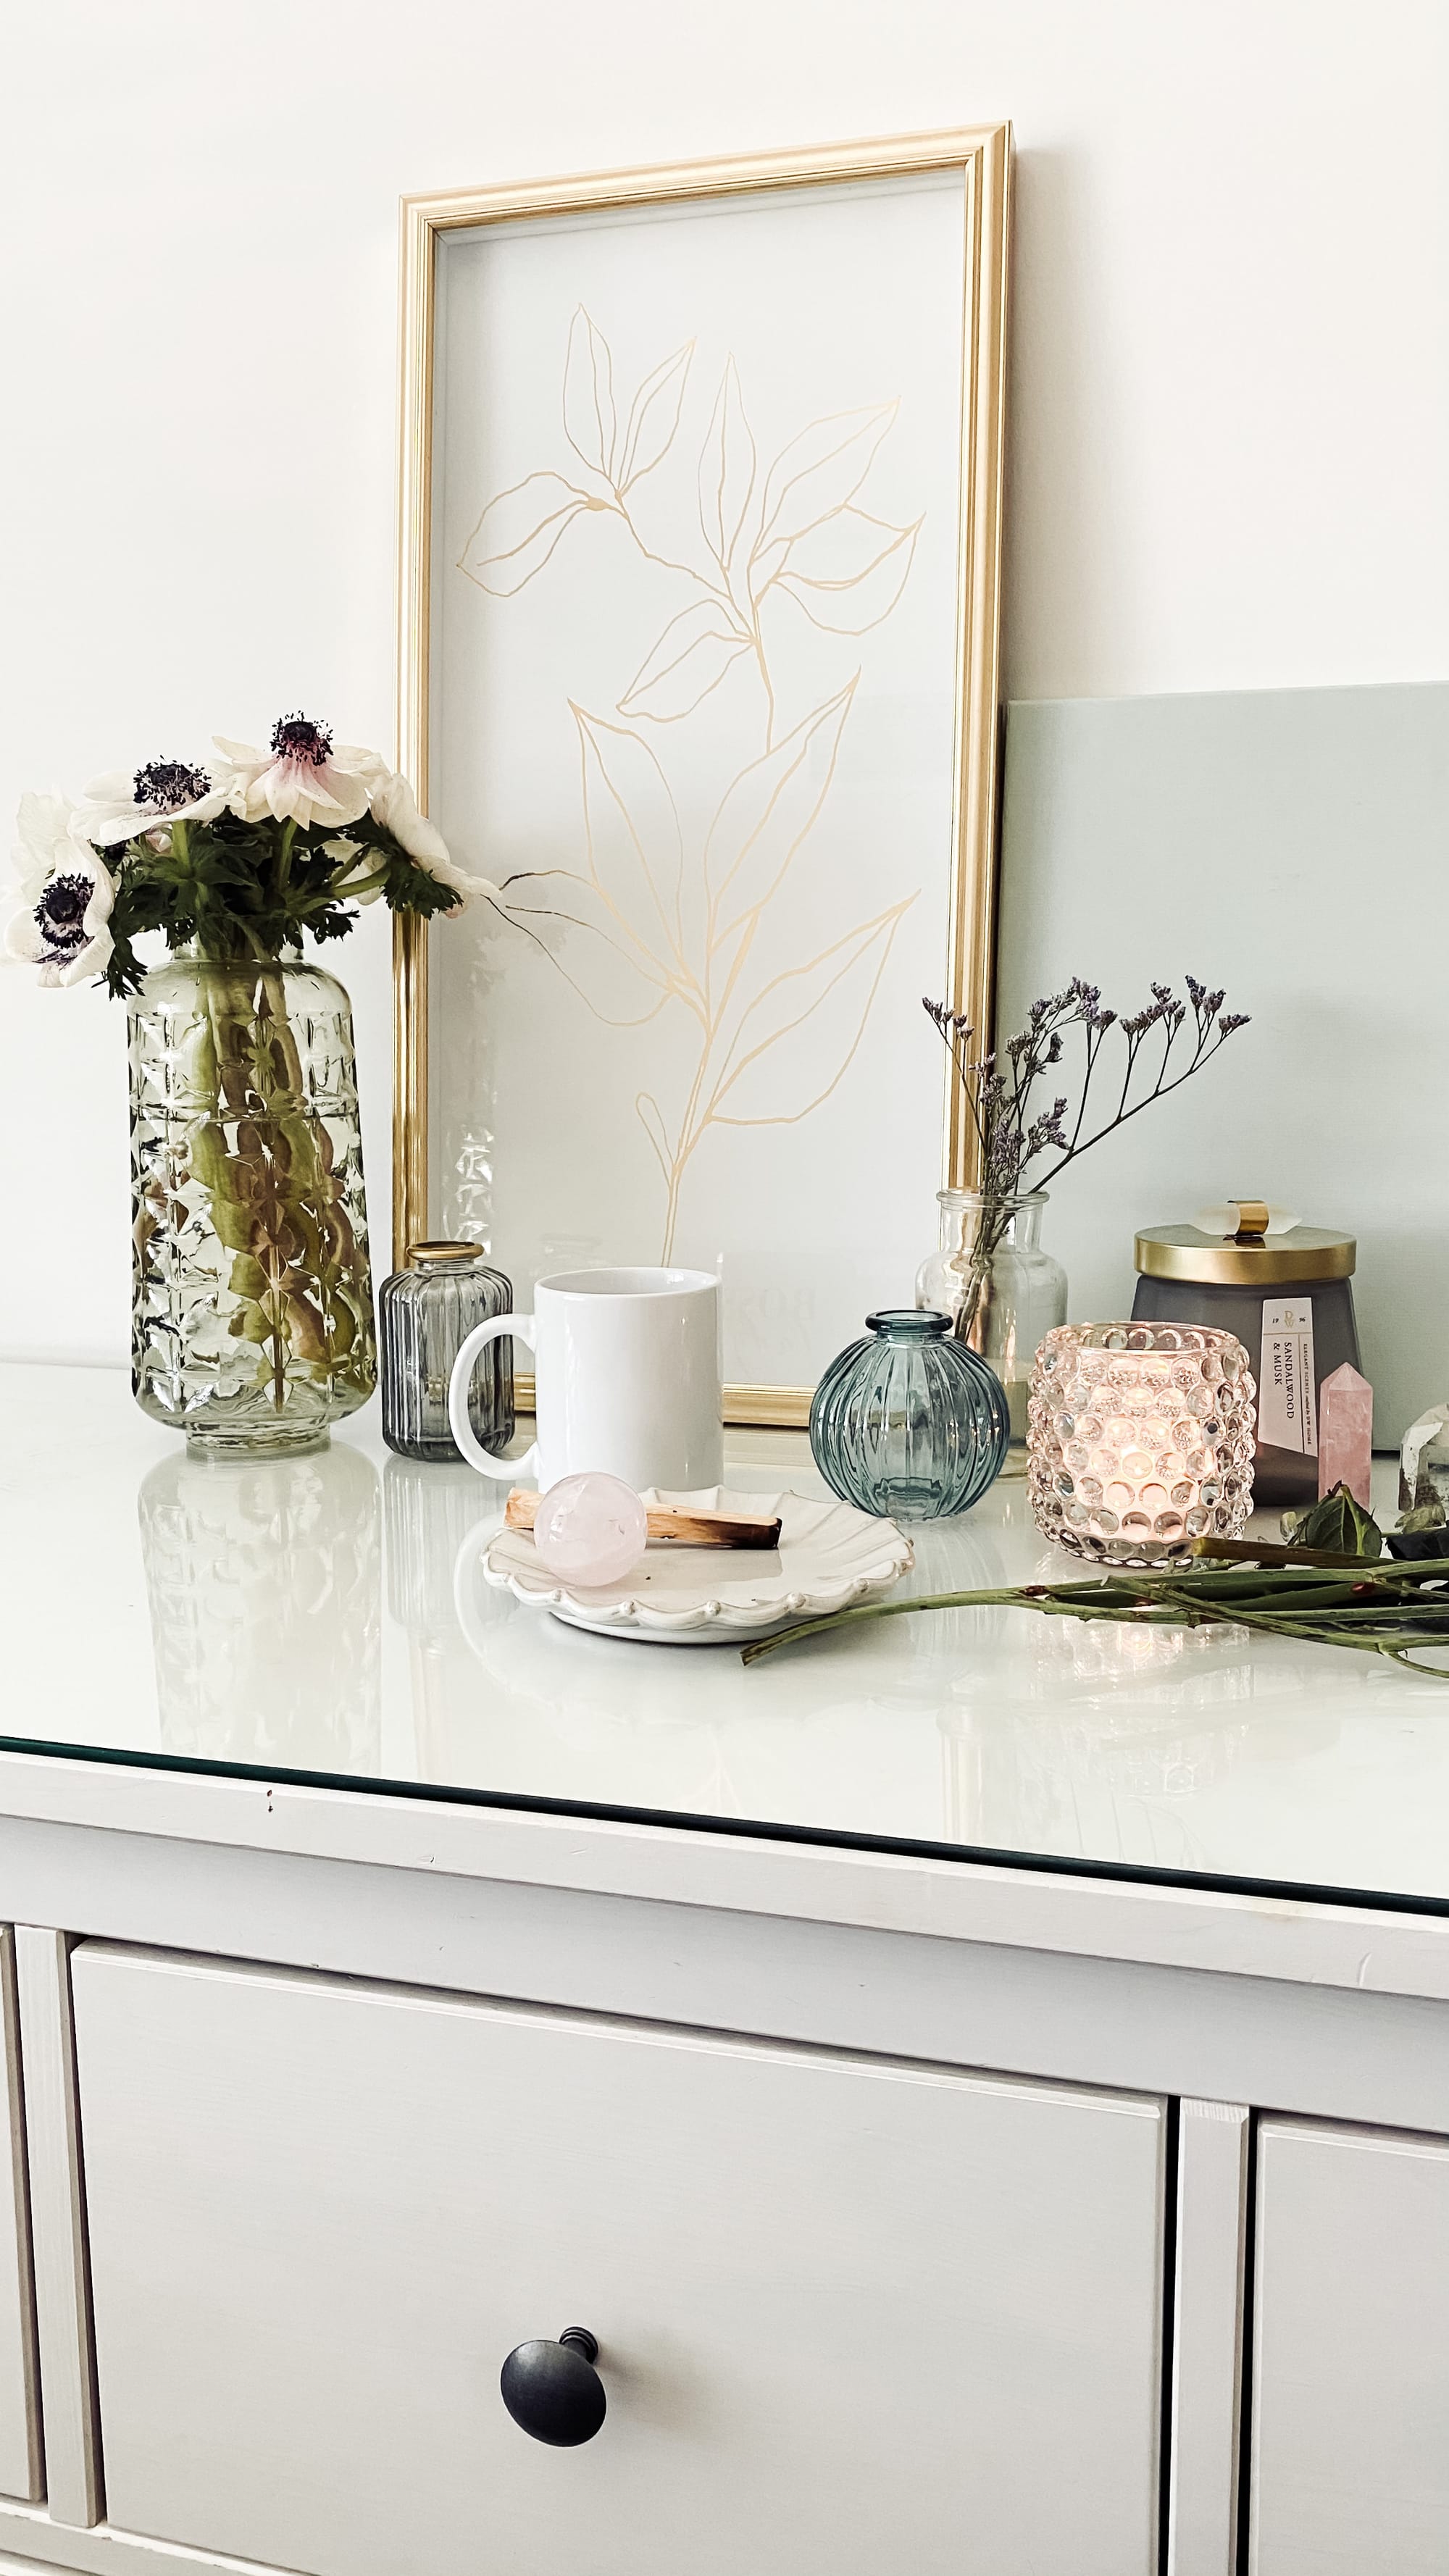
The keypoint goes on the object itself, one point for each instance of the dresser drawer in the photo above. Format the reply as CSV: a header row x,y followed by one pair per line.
x,y
1350,2452
19,2424
854,2316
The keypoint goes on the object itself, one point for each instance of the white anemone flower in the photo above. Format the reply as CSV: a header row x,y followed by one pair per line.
x,y
301,778
50,838
395,807
119,807
65,932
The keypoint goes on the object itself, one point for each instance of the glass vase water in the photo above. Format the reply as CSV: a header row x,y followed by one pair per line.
x,y
252,1325
1004,1305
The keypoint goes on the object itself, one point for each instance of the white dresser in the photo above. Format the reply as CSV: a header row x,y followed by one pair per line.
x,y
983,2083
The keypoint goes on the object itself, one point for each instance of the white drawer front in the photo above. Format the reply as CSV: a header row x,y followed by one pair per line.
x,y
854,2317
1350,2456
19,2428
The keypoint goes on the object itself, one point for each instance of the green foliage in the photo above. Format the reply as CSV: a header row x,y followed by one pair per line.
x,y
266,1162
1400,1612
242,891
1337,1524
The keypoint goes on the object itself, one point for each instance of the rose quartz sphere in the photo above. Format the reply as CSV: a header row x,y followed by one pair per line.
x,y
590,1529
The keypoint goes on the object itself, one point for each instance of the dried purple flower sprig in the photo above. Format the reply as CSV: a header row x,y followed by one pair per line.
x,y
999,1087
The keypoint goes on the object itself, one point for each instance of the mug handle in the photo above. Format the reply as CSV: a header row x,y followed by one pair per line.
x,y
460,1384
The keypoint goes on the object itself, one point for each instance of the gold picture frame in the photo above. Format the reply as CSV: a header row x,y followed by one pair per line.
x,y
983,157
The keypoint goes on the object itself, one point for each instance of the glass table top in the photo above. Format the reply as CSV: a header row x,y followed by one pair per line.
x,y
325,1617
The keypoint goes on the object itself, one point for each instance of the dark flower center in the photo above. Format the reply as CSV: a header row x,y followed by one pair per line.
x,y
60,913
298,738
165,785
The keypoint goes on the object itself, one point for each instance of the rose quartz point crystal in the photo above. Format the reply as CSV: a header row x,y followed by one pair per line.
x,y
1346,1434
590,1530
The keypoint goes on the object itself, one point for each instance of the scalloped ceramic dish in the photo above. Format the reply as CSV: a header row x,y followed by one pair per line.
x,y
829,1557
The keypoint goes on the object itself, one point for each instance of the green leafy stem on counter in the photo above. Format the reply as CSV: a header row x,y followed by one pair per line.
x,y
1309,1589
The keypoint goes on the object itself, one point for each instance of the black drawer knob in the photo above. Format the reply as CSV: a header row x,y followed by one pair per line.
x,y
553,2389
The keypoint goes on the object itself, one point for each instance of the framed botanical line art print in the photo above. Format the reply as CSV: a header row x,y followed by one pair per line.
x,y
699,583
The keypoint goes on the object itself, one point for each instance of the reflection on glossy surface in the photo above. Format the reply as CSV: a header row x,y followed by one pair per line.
x,y
656,1726
302,1613
428,1511
264,1579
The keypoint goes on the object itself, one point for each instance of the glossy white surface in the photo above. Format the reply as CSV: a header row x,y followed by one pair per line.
x,y
301,1615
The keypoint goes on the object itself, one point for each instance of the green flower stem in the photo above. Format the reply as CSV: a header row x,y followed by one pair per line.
x,y
1387,1612
274,1205
229,1003
352,892
285,838
883,1610
275,990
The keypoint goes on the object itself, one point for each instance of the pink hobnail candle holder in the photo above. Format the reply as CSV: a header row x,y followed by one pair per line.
x,y
1139,1439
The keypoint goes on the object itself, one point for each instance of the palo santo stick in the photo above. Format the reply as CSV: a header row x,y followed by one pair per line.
x,y
685,1529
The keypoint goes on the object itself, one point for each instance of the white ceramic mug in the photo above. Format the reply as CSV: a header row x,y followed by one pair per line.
x,y
627,1380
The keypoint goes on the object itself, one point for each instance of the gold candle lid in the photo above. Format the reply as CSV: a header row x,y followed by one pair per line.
x,y
1251,1258
450,1251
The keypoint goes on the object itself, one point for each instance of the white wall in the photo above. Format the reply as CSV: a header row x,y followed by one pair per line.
x,y
1231,382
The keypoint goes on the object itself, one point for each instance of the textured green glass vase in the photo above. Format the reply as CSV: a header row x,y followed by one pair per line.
x,y
252,1325
909,1423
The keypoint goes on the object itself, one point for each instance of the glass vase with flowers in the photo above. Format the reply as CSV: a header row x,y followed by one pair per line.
x,y
252,1324
989,1273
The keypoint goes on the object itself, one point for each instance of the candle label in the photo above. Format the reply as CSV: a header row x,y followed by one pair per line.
x,y
1287,1385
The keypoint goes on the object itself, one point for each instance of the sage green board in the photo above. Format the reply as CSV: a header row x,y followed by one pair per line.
x,y
1293,845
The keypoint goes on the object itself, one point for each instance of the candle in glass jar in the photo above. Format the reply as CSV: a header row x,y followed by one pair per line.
x,y
1140,1439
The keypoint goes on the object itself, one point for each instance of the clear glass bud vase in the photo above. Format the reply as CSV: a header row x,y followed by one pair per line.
x,y
1002,1303
252,1316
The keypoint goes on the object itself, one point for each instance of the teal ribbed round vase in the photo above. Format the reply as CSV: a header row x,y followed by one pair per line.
x,y
909,1422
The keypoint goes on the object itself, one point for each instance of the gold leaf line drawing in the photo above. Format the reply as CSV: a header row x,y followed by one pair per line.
x,y
656,919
